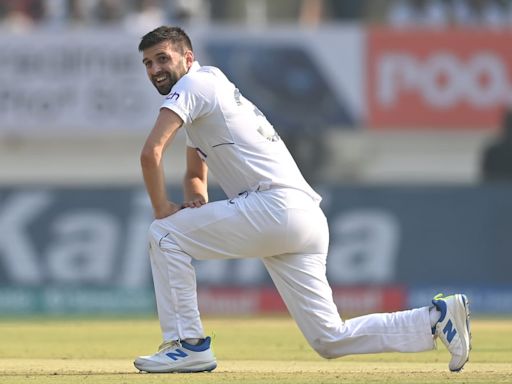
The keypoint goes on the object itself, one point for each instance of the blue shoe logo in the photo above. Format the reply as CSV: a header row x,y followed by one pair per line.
x,y
449,331
177,354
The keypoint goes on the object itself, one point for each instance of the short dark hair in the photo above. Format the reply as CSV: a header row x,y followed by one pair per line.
x,y
175,35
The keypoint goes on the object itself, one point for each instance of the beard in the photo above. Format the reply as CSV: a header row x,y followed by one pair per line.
x,y
164,87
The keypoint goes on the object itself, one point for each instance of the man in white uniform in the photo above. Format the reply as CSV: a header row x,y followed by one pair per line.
x,y
271,213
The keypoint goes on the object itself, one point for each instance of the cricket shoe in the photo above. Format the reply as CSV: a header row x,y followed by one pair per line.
x,y
453,328
179,356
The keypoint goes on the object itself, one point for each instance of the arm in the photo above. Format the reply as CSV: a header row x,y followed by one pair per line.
x,y
195,182
164,131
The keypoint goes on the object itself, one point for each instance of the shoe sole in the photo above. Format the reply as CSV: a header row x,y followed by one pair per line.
x,y
208,368
464,321
203,367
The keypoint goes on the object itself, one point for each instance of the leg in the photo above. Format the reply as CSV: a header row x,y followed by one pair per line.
x,y
176,298
249,226
175,290
301,281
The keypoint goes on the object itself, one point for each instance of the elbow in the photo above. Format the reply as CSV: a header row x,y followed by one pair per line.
x,y
150,157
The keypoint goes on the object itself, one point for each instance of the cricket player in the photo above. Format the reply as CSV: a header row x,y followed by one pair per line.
x,y
270,213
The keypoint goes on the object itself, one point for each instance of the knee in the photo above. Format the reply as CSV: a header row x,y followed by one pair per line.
x,y
326,354
158,233
324,349
162,237
154,232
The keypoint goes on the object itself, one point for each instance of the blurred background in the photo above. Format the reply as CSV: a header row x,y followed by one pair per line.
x,y
397,111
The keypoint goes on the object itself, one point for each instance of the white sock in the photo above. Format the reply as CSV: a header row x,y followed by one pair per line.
x,y
192,341
434,316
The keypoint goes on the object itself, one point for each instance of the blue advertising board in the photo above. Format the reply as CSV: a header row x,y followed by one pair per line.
x,y
91,243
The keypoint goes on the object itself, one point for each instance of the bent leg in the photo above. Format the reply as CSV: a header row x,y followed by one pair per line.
x,y
301,281
240,227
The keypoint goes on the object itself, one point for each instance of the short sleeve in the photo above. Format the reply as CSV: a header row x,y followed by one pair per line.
x,y
190,99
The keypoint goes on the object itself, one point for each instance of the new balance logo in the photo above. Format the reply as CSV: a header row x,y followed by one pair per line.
x,y
449,331
176,354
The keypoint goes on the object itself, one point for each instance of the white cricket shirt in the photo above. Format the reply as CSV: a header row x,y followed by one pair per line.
x,y
239,145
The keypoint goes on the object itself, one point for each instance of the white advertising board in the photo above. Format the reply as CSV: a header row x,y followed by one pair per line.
x,y
92,82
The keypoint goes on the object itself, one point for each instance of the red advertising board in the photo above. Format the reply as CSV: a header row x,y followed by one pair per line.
x,y
351,300
438,79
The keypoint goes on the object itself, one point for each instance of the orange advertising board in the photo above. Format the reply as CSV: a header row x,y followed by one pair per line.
x,y
450,79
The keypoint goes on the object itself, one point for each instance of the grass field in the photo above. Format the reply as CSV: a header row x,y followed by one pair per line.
x,y
248,351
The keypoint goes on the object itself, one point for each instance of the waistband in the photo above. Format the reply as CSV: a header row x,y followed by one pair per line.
x,y
264,187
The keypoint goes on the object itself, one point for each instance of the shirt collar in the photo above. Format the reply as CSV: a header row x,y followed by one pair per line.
x,y
194,67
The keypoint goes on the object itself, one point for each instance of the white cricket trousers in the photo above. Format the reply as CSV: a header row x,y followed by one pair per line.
x,y
288,231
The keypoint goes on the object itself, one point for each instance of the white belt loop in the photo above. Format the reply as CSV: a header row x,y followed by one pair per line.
x,y
264,186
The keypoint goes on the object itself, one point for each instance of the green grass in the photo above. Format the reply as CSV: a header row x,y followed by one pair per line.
x,y
248,351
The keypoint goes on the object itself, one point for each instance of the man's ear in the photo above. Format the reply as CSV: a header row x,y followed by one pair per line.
x,y
189,59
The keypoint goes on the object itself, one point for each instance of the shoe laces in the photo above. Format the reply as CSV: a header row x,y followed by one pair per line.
x,y
439,296
169,345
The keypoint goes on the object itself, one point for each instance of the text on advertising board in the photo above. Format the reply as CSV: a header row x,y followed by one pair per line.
x,y
438,79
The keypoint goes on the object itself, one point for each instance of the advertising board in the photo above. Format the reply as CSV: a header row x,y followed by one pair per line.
x,y
79,249
438,79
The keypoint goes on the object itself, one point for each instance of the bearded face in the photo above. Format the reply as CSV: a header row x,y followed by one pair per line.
x,y
164,80
164,66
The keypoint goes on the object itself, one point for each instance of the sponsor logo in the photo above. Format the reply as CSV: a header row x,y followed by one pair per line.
x,y
438,79
173,96
177,354
444,80
449,331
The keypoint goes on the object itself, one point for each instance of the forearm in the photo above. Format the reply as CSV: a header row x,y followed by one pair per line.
x,y
155,184
195,188
154,180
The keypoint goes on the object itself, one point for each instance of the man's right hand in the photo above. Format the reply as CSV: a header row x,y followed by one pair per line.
x,y
167,210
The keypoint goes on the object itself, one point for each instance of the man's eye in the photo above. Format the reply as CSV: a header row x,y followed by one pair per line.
x,y
162,59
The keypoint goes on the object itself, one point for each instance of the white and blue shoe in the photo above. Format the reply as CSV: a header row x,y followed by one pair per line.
x,y
453,328
179,356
